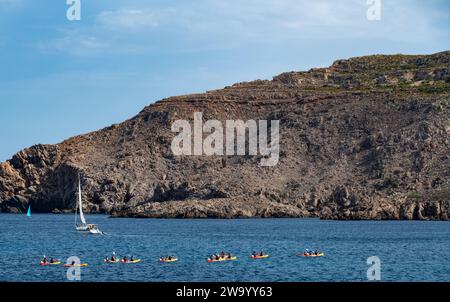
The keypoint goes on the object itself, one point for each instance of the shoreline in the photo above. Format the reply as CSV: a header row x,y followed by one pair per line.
x,y
225,219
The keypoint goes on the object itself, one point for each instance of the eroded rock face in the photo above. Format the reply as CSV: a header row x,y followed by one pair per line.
x,y
367,138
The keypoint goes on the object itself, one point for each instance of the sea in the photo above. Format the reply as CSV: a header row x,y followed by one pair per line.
x,y
354,250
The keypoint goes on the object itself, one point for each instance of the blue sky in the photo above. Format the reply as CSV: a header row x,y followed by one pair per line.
x,y
60,78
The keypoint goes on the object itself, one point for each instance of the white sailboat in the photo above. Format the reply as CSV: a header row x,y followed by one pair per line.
x,y
83,226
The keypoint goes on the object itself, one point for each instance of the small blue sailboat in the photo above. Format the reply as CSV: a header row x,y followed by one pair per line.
x,y
29,212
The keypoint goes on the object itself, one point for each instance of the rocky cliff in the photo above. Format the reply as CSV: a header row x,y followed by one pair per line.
x,y
366,138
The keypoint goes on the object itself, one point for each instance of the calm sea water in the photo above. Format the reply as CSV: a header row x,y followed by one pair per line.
x,y
409,250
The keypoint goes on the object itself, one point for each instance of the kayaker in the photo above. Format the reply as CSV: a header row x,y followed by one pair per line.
x,y
52,260
73,263
261,254
254,254
125,259
44,260
132,258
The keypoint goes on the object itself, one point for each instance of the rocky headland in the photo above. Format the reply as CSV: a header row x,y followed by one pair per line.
x,y
366,138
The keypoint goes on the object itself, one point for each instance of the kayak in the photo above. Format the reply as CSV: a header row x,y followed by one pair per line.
x,y
223,259
259,257
131,262
312,256
49,264
110,261
168,261
76,265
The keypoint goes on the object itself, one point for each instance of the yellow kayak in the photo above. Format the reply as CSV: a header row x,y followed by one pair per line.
x,y
222,259
131,262
259,257
312,255
168,260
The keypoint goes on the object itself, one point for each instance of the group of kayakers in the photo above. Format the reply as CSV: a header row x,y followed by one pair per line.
x,y
260,254
124,259
316,252
221,255
49,261
168,259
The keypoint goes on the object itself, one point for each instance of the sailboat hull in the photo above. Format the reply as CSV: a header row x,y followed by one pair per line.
x,y
82,228
90,228
95,232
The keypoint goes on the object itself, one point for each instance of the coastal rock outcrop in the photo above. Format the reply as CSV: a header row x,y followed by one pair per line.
x,y
366,138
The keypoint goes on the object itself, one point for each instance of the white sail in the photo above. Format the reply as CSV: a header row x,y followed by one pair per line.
x,y
83,220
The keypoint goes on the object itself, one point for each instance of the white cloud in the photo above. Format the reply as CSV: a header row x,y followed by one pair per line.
x,y
220,24
273,19
130,19
75,43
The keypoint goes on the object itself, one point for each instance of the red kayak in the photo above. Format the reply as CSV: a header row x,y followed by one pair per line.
x,y
76,265
49,264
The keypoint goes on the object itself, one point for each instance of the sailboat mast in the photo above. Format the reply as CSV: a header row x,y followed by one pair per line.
x,y
76,203
79,192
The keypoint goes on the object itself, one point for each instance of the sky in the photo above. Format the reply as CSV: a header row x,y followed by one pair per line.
x,y
60,78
